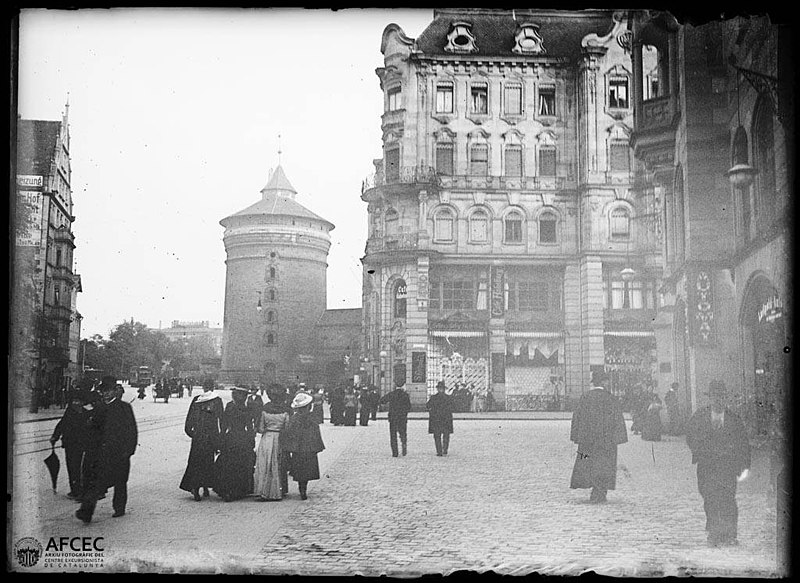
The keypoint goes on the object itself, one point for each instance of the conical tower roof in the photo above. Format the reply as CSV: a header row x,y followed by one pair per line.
x,y
279,184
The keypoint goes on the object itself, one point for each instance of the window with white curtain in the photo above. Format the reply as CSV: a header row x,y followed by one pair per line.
x,y
479,227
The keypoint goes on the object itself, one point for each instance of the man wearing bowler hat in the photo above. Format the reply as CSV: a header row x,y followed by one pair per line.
x,y
115,426
399,406
718,440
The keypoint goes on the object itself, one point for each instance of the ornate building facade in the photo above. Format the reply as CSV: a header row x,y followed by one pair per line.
x,y
46,321
275,288
716,150
502,214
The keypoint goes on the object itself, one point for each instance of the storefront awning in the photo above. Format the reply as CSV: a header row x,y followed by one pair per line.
x,y
534,334
456,333
631,333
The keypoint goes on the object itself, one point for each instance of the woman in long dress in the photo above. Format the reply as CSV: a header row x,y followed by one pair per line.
x,y
267,476
237,457
204,426
304,442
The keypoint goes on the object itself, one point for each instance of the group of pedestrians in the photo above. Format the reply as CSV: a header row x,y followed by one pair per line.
x,y
99,434
715,435
225,457
348,403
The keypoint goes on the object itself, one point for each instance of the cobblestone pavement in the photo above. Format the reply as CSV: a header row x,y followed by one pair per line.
x,y
499,501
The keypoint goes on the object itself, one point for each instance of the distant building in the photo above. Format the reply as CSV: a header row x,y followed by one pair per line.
x,y
180,331
502,214
337,348
46,321
275,287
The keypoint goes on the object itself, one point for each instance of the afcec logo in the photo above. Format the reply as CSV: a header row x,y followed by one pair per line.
x,y
28,551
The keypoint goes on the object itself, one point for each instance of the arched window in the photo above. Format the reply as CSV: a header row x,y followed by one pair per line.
x,y
272,273
391,220
479,227
764,146
512,230
270,339
620,223
443,225
271,316
272,295
548,221
399,297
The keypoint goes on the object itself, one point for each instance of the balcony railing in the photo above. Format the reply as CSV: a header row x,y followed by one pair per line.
x,y
405,175
503,182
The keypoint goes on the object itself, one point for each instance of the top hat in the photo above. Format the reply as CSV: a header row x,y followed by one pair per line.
x,y
599,378
301,400
107,383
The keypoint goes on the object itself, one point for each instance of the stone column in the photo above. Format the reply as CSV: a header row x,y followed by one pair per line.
x,y
591,286
575,376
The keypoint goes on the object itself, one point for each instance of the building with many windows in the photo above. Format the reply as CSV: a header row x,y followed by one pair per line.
x,y
716,150
44,303
502,214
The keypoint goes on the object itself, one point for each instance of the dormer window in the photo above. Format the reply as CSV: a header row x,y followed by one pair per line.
x,y
528,40
460,39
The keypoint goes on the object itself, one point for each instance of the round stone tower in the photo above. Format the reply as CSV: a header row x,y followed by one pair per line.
x,y
275,286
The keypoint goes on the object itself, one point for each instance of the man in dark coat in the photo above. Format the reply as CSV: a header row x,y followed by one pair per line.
x,y
598,427
399,406
72,432
337,405
718,440
116,426
440,421
365,400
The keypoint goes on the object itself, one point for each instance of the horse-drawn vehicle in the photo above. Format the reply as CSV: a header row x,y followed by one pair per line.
x,y
161,391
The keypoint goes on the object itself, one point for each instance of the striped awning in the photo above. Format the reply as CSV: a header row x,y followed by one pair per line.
x,y
520,334
456,333
630,333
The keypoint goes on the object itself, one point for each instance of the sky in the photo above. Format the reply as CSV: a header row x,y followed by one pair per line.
x,y
175,117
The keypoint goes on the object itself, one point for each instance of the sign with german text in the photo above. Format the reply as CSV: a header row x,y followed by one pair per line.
x,y
29,232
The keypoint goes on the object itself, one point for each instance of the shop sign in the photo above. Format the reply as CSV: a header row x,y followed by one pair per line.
x,y
30,181
30,235
770,310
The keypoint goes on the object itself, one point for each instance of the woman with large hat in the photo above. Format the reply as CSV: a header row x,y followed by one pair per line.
x,y
304,442
204,426
237,458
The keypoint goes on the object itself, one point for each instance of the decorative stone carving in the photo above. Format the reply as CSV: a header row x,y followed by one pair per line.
x,y
527,40
460,39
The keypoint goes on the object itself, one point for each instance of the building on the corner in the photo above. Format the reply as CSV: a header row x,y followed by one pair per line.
x,y
502,213
275,288
46,320
337,348
716,151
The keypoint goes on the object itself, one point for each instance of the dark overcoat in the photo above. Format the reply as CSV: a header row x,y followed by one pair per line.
x,y
119,441
237,457
440,420
204,425
399,405
598,427
72,429
720,454
303,441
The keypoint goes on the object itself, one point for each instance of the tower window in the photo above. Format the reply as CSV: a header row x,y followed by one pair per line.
x,y
393,96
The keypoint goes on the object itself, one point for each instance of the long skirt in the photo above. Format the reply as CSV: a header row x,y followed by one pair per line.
x,y
651,426
266,479
200,467
350,416
595,467
234,472
305,466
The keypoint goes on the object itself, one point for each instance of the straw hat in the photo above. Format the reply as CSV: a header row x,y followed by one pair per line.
x,y
301,400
